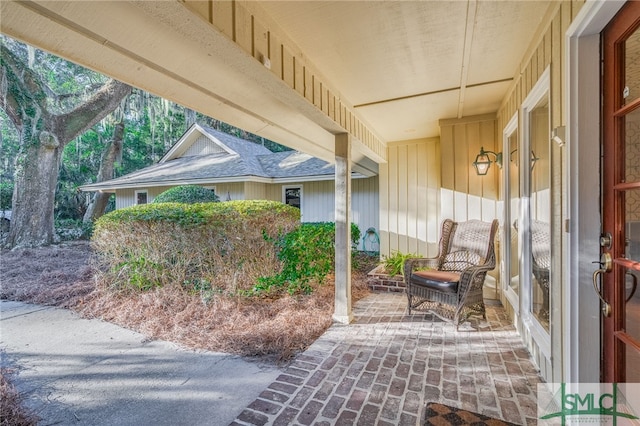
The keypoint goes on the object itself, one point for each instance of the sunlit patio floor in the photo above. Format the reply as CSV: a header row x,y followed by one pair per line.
x,y
386,366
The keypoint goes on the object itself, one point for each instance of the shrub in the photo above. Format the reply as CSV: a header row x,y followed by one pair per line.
x,y
307,254
394,264
73,229
222,244
188,194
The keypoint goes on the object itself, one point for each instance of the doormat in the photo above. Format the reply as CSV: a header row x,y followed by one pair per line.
x,y
444,415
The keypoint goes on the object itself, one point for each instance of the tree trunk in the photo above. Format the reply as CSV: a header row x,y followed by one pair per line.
x,y
34,191
112,152
43,136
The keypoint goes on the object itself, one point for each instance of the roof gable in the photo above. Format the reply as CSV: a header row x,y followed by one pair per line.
x,y
205,155
196,141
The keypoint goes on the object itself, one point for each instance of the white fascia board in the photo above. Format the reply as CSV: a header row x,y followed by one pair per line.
x,y
178,145
234,179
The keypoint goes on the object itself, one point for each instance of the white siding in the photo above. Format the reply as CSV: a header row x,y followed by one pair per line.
x,y
230,191
256,191
410,197
202,146
318,201
126,197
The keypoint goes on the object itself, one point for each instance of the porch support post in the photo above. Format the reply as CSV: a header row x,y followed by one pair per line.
x,y
342,310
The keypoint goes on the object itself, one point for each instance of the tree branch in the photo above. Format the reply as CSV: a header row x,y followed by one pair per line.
x,y
74,123
21,88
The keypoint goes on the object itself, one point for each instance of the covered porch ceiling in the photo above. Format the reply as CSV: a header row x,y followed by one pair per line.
x,y
397,67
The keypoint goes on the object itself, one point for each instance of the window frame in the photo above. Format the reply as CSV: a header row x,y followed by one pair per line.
x,y
138,192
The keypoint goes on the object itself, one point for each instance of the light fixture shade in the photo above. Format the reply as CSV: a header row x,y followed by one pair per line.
x,y
482,163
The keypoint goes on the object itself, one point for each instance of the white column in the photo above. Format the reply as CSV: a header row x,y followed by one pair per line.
x,y
342,310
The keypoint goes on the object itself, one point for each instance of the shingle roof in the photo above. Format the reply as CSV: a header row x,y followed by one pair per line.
x,y
249,160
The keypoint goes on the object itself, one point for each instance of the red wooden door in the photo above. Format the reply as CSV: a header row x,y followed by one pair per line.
x,y
621,195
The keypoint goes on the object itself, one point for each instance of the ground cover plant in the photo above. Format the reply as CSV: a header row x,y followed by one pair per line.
x,y
274,325
275,329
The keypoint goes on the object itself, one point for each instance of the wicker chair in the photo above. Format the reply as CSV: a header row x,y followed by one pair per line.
x,y
450,285
541,261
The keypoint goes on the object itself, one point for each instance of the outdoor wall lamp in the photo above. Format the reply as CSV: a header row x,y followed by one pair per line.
x,y
533,158
483,161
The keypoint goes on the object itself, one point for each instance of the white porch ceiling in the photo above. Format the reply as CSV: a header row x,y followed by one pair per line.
x,y
406,64
400,65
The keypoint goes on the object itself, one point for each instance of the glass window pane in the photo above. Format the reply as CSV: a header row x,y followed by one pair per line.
x,y
632,146
141,198
538,164
514,200
632,68
632,325
292,197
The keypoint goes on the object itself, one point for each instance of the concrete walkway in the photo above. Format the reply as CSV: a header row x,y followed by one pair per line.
x,y
75,371
380,370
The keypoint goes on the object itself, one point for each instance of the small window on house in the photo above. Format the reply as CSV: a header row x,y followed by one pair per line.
x,y
212,189
292,196
141,197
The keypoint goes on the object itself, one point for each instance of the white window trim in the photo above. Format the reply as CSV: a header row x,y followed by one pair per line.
x,y
510,294
542,338
140,191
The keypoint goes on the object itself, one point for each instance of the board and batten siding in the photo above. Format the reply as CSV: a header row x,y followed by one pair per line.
x,y
547,51
410,197
465,195
318,201
203,146
127,197
230,191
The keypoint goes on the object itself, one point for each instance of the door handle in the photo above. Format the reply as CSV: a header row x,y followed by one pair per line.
x,y
635,286
605,266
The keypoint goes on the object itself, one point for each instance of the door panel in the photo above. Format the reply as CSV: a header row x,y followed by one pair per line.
x,y
621,194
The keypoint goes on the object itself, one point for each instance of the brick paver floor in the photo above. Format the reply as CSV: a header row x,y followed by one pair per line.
x,y
386,366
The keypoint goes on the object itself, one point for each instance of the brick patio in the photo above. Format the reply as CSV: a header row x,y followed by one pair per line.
x,y
386,366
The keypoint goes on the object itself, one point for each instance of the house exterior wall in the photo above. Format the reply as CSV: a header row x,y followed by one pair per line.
x,y
465,195
410,205
440,172
255,191
127,197
318,202
547,51
230,191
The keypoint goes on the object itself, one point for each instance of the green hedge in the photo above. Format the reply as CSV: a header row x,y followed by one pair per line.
x,y
188,194
218,245
308,255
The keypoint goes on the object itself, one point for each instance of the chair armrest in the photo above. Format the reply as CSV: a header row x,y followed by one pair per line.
x,y
411,265
469,276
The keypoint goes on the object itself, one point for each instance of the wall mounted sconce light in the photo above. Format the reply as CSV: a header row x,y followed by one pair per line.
x,y
483,162
514,159
533,159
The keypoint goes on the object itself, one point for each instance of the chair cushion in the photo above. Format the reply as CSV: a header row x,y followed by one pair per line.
x,y
438,280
